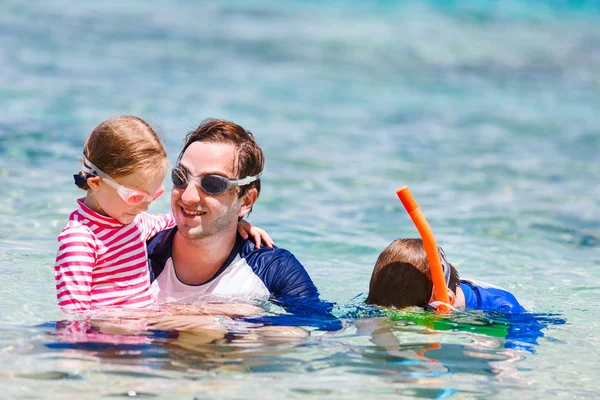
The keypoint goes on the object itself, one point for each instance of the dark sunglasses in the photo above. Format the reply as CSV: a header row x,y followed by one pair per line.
x,y
211,184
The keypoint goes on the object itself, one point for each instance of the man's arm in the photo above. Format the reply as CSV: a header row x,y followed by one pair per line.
x,y
290,278
281,272
292,288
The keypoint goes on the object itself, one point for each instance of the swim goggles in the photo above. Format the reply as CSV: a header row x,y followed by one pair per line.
x,y
210,184
129,196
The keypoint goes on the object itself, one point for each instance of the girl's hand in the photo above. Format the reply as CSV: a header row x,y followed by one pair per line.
x,y
198,323
231,310
246,230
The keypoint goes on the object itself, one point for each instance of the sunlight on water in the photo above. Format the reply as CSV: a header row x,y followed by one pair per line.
x,y
487,111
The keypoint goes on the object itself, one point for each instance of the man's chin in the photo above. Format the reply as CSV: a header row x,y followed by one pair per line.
x,y
193,234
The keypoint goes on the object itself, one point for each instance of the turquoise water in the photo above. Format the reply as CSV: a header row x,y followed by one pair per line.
x,y
486,110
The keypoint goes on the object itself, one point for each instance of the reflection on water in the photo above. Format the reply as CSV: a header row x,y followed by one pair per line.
x,y
416,348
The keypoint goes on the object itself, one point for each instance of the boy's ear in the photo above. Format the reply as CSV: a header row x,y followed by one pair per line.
x,y
93,183
451,297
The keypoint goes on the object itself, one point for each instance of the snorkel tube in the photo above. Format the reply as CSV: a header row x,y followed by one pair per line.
x,y
435,266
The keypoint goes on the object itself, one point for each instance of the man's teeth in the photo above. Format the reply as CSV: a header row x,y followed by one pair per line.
x,y
187,212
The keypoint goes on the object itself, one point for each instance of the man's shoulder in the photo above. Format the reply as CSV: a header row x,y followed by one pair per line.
x,y
279,269
162,240
274,256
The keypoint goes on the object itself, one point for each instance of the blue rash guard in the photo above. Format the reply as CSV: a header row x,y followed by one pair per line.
x,y
248,273
486,297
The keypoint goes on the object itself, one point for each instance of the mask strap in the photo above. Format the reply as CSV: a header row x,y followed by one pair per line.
x,y
435,304
87,171
90,168
445,266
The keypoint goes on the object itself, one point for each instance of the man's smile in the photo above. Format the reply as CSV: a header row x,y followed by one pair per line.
x,y
192,213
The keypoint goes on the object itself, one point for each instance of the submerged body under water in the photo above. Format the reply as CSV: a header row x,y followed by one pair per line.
x,y
413,347
500,336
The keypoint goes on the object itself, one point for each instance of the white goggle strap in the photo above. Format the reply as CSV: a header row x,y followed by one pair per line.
x,y
92,169
247,180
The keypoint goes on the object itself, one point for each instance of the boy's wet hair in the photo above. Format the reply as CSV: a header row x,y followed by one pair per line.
x,y
124,145
401,277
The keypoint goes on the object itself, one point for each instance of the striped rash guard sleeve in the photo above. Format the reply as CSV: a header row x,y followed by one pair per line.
x,y
73,268
154,223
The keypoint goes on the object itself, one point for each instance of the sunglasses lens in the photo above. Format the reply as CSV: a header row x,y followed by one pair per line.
x,y
179,177
214,184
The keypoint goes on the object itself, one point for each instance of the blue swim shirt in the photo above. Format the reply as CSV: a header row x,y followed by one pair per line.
x,y
483,296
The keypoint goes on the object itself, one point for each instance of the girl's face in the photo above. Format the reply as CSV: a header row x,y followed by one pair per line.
x,y
105,200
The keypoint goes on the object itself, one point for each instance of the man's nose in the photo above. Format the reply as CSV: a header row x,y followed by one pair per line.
x,y
191,194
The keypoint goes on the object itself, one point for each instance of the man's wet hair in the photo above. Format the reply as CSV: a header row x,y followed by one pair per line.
x,y
250,159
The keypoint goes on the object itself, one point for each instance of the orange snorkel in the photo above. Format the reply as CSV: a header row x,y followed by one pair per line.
x,y
435,266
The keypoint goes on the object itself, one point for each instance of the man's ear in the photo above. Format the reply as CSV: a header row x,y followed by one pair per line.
x,y
451,297
248,201
93,183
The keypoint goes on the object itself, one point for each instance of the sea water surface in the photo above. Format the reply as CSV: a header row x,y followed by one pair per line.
x,y
488,111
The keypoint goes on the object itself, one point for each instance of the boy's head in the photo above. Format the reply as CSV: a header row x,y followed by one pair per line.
x,y
401,277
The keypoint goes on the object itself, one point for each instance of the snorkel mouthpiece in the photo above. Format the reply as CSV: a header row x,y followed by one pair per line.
x,y
435,266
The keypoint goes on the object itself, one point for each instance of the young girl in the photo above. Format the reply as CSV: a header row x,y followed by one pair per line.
x,y
102,259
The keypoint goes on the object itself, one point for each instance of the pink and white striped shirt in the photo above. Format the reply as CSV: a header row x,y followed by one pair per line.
x,y
104,263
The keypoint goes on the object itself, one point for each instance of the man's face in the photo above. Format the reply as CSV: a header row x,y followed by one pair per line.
x,y
198,214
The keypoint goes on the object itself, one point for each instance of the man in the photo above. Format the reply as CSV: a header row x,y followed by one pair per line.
x,y
215,183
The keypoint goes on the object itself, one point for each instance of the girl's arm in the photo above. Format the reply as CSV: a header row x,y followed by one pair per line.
x,y
245,229
73,269
234,310
154,223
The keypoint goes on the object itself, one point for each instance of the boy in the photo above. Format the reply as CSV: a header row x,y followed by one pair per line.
x,y
401,278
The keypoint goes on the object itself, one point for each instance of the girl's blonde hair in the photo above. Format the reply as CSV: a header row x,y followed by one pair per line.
x,y
123,145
